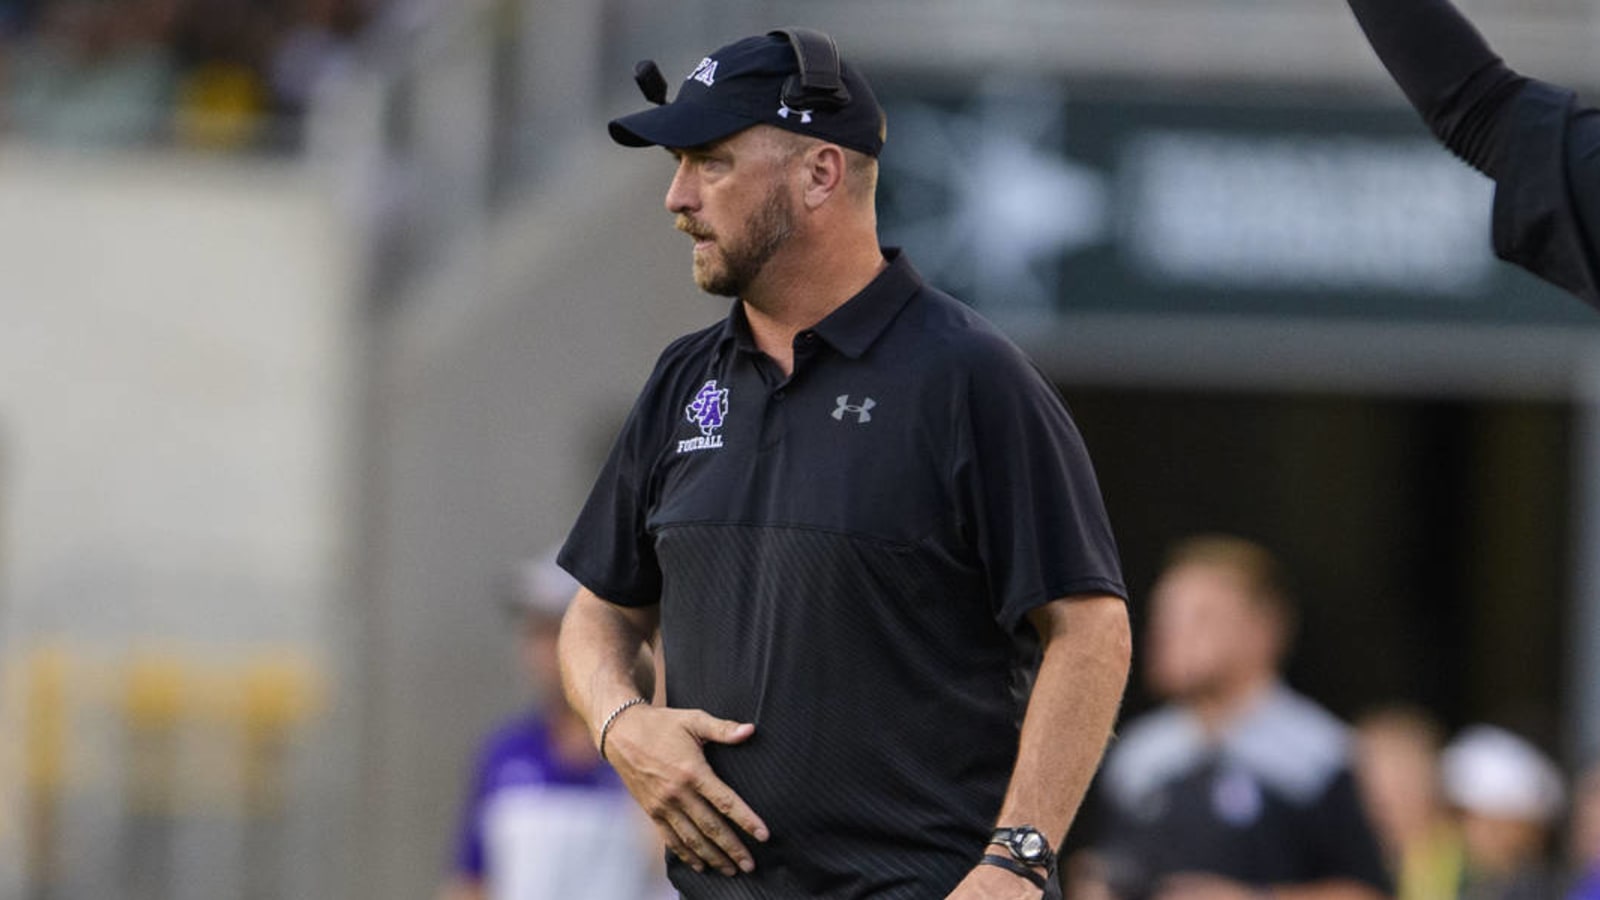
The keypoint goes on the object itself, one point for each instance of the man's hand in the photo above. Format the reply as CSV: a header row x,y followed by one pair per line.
x,y
994,883
658,753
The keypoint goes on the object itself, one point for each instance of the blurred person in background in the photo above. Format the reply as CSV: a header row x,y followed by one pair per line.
x,y
1397,768
1509,796
1584,836
224,47
17,16
546,818
314,44
1239,788
213,74
92,73
1534,139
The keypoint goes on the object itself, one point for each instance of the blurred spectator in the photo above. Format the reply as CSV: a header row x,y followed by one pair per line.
x,y
224,45
1584,841
93,73
546,816
1239,786
314,45
1397,767
1508,795
212,74
17,16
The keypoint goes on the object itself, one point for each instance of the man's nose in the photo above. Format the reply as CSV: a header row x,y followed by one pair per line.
x,y
682,196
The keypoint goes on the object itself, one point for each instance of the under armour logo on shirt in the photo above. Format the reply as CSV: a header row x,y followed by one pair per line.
x,y
862,411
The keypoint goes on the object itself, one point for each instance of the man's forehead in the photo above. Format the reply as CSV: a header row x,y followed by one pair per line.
x,y
755,135
718,144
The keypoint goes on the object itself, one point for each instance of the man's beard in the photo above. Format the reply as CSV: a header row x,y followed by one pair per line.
x,y
765,231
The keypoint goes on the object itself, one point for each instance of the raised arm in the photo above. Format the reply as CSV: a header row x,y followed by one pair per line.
x,y
1533,138
1447,71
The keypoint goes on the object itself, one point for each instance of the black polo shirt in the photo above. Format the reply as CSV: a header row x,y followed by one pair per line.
x,y
845,558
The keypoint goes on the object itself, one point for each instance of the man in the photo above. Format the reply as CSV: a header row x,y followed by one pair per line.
x,y
847,507
1509,797
1240,788
1397,769
1541,148
541,799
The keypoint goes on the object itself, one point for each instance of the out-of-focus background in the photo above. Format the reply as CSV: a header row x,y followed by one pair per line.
x,y
316,316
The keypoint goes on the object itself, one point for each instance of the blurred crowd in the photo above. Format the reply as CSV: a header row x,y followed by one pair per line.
x,y
1486,815
1239,788
211,74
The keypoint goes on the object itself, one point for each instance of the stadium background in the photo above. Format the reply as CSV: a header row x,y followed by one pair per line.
x,y
281,402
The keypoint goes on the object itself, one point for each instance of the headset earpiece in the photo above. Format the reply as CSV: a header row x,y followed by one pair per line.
x,y
819,82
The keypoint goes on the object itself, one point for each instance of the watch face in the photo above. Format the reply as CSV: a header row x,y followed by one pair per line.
x,y
1031,846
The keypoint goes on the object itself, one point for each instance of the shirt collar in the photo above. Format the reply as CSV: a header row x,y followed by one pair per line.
x,y
853,327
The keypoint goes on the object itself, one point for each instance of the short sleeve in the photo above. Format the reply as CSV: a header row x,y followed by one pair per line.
x,y
1549,190
1029,492
609,550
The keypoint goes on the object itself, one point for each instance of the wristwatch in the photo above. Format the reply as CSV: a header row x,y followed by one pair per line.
x,y
1027,845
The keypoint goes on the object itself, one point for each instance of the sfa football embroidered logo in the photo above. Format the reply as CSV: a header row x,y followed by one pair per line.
x,y
707,410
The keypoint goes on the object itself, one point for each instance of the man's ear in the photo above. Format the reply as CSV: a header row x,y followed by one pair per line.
x,y
825,166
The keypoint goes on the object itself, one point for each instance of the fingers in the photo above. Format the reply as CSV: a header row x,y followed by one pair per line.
x,y
707,727
698,815
725,801
694,847
704,836
669,835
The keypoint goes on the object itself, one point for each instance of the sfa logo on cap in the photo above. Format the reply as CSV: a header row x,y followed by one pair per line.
x,y
707,410
705,73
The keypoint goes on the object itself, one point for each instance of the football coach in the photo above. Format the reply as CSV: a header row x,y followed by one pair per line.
x,y
889,601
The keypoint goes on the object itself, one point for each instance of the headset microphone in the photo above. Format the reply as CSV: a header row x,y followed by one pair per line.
x,y
648,76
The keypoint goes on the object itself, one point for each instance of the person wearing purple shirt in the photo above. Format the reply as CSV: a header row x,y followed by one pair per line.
x,y
544,816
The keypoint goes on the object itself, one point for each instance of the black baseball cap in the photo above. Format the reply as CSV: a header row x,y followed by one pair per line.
x,y
756,81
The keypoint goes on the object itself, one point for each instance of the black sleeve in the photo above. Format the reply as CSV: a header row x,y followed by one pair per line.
x,y
1343,840
1542,150
610,550
1446,69
1547,203
1029,492
1583,175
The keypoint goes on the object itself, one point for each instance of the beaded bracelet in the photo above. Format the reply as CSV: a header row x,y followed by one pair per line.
x,y
612,718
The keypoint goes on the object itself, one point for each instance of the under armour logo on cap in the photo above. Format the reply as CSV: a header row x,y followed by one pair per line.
x,y
785,112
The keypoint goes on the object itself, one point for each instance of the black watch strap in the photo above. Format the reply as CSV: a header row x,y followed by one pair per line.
x,y
1015,868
